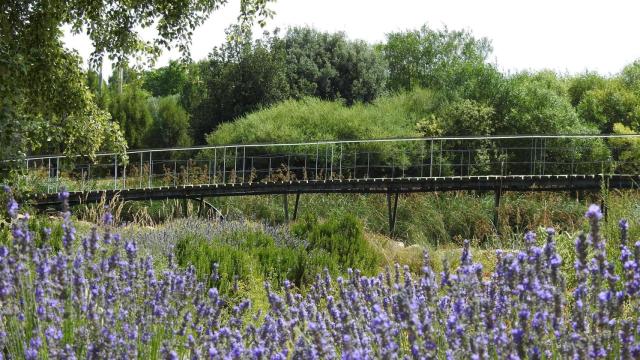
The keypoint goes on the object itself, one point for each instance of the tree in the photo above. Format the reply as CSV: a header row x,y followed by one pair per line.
x,y
537,104
41,85
170,124
626,150
167,80
436,59
612,103
194,90
630,75
99,89
583,83
131,112
331,67
240,76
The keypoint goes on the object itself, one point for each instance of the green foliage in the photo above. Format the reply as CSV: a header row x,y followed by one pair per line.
x,y
245,256
579,85
240,77
313,119
467,117
170,126
611,103
331,67
630,75
99,89
167,80
244,75
131,112
45,105
537,104
342,238
437,59
627,150
194,90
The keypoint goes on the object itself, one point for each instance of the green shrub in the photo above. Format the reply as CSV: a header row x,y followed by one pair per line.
x,y
342,238
233,262
318,260
247,256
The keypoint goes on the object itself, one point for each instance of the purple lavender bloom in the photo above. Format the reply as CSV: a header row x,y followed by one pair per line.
x,y
594,212
624,224
12,208
125,304
107,219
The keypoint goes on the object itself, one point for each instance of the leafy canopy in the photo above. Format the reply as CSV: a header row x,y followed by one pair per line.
x,y
45,104
433,58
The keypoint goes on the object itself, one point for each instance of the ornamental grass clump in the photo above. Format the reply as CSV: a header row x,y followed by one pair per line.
x,y
98,297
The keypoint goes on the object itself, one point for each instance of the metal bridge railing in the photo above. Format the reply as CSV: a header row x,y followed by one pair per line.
x,y
334,160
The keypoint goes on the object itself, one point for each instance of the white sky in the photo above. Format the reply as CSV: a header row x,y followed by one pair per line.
x,y
567,36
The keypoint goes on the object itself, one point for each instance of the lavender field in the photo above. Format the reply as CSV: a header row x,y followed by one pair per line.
x,y
102,296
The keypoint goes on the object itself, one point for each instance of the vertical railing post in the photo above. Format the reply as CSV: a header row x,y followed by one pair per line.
x,y
235,166
431,160
58,173
533,156
27,172
175,172
244,161
422,159
49,176
215,165
317,156
368,162
355,162
209,172
140,171
115,172
326,159
150,166
543,154
393,166
440,160
402,165
340,162
224,165
573,157
331,164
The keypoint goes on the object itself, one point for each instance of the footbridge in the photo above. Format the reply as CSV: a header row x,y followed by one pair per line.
x,y
389,166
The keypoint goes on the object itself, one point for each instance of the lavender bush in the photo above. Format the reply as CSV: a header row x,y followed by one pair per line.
x,y
99,298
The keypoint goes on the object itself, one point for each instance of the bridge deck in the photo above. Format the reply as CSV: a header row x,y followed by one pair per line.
x,y
524,183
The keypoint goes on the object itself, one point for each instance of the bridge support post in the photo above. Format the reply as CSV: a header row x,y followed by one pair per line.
x,y
286,207
605,210
496,218
295,206
392,210
201,208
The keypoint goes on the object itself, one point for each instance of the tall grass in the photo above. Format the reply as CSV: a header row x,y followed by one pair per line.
x,y
438,219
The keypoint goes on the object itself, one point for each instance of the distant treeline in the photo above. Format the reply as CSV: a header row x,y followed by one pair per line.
x,y
305,84
449,87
